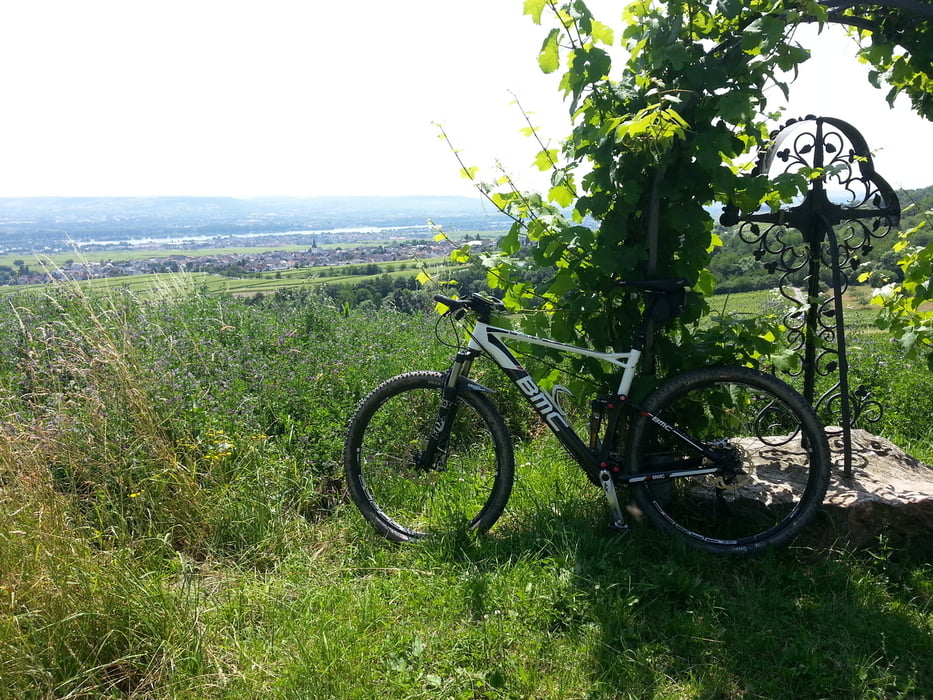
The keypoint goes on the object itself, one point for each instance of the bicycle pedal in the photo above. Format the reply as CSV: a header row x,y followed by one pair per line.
x,y
619,526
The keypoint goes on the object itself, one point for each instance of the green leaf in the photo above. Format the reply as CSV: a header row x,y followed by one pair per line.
x,y
706,284
601,33
534,8
461,255
549,58
545,159
735,107
508,244
786,361
563,282
561,195
908,340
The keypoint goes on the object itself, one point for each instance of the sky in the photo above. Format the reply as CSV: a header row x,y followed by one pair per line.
x,y
315,98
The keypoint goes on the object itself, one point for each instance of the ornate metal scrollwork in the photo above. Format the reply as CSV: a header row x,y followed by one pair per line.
x,y
814,244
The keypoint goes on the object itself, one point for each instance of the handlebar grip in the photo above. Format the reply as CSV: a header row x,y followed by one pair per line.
x,y
663,286
448,302
482,306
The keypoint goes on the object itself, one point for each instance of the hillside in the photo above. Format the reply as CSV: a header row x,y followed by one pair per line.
x,y
738,270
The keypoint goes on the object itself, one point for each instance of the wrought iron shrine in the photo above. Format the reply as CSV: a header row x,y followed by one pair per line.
x,y
815,244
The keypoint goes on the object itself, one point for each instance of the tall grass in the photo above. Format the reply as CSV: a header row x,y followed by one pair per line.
x,y
95,495
172,525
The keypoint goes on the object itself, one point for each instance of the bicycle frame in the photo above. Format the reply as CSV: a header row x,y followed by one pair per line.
x,y
488,339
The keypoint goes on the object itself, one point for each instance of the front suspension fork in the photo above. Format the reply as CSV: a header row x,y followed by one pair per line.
x,y
446,411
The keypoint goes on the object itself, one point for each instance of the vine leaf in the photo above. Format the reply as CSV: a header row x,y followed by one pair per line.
x,y
534,8
549,58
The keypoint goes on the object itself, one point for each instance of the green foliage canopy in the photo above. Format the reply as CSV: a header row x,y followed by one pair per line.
x,y
665,116
906,311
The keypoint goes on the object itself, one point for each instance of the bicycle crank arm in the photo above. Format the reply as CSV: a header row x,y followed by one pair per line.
x,y
616,521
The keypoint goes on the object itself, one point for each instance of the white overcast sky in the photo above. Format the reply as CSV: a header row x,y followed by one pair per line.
x,y
308,98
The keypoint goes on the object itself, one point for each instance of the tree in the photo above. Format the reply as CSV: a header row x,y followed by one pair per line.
x,y
654,142
905,305
898,44
648,151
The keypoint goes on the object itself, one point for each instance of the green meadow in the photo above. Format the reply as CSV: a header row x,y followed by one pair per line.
x,y
173,525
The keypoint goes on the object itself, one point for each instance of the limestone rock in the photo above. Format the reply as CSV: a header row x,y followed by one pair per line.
x,y
889,496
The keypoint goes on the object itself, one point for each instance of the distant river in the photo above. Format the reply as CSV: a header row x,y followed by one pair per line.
x,y
169,241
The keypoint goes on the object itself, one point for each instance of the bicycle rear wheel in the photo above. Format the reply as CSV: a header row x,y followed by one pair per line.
x,y
468,482
768,439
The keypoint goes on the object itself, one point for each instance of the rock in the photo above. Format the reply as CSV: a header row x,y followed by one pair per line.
x,y
889,496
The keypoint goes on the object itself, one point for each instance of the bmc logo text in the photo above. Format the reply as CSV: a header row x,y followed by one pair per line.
x,y
542,403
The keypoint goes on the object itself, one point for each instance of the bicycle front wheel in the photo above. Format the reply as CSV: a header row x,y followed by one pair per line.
x,y
770,446
465,485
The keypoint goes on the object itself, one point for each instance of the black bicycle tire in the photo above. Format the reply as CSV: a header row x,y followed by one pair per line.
x,y
650,503
485,410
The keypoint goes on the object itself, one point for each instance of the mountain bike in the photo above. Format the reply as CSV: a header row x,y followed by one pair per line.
x,y
731,459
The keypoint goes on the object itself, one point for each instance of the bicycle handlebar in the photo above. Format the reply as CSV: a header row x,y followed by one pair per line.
x,y
665,286
666,300
474,302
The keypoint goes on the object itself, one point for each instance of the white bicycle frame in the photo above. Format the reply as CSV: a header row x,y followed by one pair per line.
x,y
489,340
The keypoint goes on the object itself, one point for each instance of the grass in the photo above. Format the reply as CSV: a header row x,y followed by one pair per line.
x,y
172,526
856,302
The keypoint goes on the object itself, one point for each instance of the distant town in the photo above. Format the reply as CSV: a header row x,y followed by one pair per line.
x,y
287,234
227,264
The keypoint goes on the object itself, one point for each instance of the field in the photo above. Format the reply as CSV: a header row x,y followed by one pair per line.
x,y
173,525
245,285
132,254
